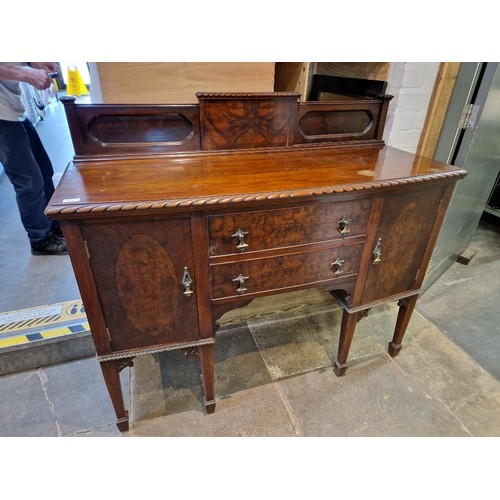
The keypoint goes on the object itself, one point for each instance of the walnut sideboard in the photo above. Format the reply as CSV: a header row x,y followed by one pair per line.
x,y
164,242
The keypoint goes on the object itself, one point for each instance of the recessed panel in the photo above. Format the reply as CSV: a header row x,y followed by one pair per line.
x,y
336,124
109,130
402,237
146,284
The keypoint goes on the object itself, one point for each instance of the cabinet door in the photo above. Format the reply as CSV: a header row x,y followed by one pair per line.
x,y
138,267
405,226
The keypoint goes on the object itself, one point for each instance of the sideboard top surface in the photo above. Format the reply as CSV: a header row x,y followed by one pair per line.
x,y
228,177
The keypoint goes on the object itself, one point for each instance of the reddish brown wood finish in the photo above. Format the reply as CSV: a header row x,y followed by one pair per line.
x,y
110,129
403,234
253,120
348,121
223,121
406,307
138,267
111,376
170,182
301,225
314,267
308,216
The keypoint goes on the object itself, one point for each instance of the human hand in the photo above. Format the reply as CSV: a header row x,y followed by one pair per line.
x,y
38,78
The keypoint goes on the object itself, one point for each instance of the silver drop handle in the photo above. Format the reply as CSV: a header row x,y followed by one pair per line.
x,y
187,282
240,234
377,252
241,280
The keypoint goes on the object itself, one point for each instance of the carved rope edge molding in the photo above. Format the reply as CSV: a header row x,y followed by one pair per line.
x,y
248,198
246,95
132,353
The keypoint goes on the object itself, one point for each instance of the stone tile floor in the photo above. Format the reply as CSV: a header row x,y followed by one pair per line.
x,y
273,378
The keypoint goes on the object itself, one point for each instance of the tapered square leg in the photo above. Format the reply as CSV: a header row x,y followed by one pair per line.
x,y
339,369
406,307
206,354
111,375
349,321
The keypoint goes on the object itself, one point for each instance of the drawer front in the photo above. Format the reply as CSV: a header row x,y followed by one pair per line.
x,y
252,276
263,230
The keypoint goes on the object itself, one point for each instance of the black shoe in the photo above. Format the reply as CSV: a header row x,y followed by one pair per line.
x,y
51,245
58,231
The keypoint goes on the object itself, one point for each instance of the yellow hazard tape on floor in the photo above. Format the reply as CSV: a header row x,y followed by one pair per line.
x,y
42,323
24,319
45,334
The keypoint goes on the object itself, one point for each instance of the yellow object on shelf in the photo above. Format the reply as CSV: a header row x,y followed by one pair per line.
x,y
75,85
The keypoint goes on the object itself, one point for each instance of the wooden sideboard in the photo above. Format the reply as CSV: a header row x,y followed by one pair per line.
x,y
174,215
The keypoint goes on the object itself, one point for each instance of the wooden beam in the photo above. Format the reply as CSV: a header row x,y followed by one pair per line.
x,y
293,77
436,113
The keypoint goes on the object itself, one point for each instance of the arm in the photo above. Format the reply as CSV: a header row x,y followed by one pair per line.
x,y
48,67
32,75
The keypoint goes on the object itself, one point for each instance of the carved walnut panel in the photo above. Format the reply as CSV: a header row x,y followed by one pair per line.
x,y
138,268
261,120
405,227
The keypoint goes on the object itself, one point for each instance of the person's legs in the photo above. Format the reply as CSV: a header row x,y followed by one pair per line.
x,y
44,163
41,157
29,183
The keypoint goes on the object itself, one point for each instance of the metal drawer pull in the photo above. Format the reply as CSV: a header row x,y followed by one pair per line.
x,y
338,266
241,236
187,282
377,252
241,280
343,225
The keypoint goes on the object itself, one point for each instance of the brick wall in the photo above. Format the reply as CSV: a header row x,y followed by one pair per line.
x,y
411,84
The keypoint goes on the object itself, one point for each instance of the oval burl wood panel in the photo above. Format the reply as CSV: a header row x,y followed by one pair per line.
x,y
402,238
146,284
404,230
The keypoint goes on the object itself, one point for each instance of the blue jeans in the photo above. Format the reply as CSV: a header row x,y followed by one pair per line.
x,y
30,171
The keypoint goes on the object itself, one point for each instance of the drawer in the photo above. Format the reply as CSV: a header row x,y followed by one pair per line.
x,y
267,229
253,276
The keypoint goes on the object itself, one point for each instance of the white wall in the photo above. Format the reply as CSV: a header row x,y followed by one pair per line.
x,y
95,88
411,84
